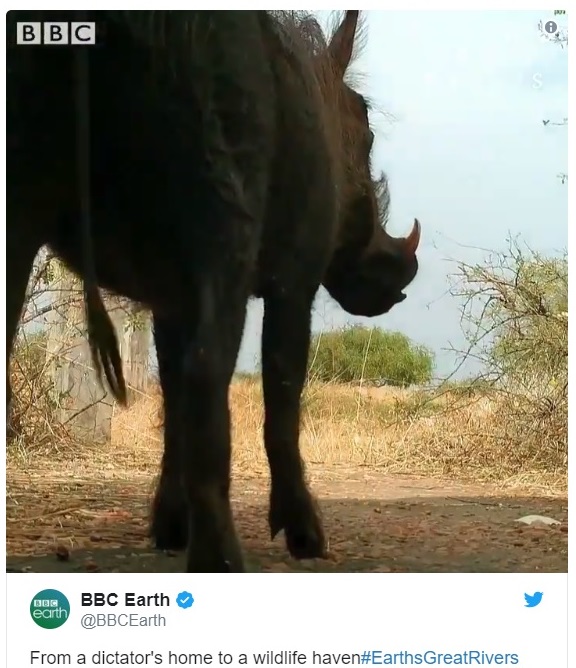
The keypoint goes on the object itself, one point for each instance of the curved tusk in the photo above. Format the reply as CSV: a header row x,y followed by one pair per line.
x,y
413,239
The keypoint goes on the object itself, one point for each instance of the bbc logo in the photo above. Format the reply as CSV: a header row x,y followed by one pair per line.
x,y
55,33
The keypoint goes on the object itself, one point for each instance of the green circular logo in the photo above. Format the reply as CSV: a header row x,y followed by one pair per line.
x,y
49,608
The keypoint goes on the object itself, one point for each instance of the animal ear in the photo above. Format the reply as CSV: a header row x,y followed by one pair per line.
x,y
342,43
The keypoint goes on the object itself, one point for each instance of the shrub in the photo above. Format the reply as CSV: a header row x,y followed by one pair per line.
x,y
516,312
372,355
30,418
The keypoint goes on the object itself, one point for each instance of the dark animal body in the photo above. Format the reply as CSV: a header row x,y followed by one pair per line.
x,y
227,158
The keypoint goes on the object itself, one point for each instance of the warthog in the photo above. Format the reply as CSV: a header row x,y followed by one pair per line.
x,y
188,161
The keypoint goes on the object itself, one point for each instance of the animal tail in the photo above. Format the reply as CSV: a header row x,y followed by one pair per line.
x,y
101,334
103,342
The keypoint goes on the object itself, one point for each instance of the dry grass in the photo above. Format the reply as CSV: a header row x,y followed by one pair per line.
x,y
398,431
512,431
480,435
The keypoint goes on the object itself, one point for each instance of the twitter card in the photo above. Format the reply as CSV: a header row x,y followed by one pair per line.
x,y
287,336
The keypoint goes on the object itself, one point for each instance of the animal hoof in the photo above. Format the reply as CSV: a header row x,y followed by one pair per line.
x,y
302,526
168,534
169,523
307,544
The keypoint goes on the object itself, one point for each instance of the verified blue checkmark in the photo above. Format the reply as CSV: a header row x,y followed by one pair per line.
x,y
184,599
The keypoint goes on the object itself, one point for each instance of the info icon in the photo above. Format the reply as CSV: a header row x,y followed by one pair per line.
x,y
551,27
50,608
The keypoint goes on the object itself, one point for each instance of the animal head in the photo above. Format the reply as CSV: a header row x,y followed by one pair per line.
x,y
372,283
369,269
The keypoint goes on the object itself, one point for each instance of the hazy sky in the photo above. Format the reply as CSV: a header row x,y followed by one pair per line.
x,y
467,154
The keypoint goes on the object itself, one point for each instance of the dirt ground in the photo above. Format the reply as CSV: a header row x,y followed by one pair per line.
x,y
375,523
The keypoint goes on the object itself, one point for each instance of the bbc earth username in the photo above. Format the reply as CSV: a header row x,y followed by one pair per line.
x,y
368,657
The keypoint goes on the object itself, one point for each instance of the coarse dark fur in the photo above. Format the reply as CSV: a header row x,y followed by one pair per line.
x,y
227,157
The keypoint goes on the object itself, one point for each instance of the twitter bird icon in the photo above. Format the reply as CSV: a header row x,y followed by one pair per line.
x,y
532,600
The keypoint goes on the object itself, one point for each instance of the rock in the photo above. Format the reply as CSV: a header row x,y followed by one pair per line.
x,y
538,520
91,565
62,553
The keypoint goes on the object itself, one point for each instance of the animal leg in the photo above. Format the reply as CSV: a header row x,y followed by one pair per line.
x,y
205,449
285,344
168,526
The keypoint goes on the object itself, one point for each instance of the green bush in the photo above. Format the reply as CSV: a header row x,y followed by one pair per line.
x,y
372,355
516,324
531,321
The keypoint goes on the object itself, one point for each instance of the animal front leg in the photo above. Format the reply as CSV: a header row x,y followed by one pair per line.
x,y
285,344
